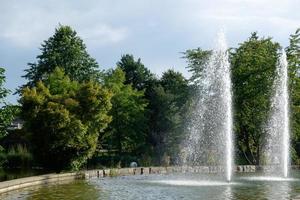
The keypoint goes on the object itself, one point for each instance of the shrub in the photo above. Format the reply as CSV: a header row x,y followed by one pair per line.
x,y
18,157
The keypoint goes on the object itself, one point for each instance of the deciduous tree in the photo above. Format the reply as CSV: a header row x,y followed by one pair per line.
x,y
64,118
253,71
127,131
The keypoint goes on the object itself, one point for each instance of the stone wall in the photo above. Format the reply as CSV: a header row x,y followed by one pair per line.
x,y
164,170
15,184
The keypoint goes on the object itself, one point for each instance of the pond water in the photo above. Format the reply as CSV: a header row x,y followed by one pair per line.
x,y
175,186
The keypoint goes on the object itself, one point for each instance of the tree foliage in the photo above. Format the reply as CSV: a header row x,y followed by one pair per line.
x,y
127,131
293,56
5,115
253,71
66,50
168,113
3,91
65,118
196,59
7,111
135,72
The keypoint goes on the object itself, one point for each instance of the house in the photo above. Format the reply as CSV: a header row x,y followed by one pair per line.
x,y
16,124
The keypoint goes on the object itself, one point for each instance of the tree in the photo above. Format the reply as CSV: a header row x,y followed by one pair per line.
x,y
3,91
141,79
7,111
293,56
135,72
5,115
196,59
64,118
168,113
253,70
66,50
174,82
127,131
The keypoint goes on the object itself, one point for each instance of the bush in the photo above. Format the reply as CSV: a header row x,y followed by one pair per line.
x,y
3,158
18,157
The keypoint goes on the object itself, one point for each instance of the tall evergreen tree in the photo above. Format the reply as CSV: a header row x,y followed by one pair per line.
x,y
135,72
141,78
168,113
66,50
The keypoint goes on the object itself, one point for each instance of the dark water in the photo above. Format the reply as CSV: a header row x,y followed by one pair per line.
x,y
167,187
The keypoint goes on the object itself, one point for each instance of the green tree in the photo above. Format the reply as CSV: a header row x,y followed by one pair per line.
x,y
127,131
168,113
141,79
5,115
3,91
174,82
293,56
7,111
135,72
64,118
253,70
66,50
196,59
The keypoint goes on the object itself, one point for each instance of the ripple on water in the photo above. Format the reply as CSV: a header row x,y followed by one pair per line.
x,y
269,178
193,183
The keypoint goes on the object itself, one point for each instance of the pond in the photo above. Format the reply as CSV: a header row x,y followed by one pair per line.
x,y
175,186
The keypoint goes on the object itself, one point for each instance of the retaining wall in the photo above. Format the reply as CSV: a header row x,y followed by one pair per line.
x,y
15,184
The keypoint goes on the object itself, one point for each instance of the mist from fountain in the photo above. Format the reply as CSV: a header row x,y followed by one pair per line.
x,y
278,132
210,139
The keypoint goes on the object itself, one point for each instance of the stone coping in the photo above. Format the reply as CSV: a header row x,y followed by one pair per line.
x,y
16,184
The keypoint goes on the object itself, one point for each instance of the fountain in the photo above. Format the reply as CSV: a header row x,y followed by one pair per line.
x,y
210,130
277,150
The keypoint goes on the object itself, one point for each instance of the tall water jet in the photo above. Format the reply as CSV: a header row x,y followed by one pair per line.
x,y
278,132
210,139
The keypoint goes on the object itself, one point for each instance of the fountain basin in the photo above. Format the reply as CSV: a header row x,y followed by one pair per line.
x,y
168,186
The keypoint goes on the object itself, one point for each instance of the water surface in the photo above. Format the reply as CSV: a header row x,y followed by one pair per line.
x,y
176,186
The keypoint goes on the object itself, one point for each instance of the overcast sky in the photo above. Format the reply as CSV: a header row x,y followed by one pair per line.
x,y
154,30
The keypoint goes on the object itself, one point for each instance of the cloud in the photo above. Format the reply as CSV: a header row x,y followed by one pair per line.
x,y
28,24
103,34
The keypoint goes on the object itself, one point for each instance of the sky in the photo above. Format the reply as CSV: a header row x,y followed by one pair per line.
x,y
157,31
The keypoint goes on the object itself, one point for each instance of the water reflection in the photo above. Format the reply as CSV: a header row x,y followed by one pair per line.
x,y
75,190
278,190
227,194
